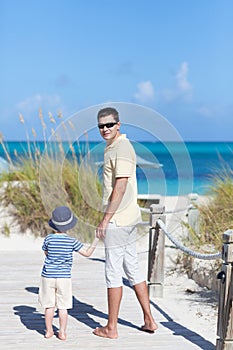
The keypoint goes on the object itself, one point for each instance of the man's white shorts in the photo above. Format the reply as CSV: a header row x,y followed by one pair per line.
x,y
56,292
121,256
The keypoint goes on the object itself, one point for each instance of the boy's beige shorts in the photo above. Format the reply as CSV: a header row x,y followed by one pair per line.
x,y
55,292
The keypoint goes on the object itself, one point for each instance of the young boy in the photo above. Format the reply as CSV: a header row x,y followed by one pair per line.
x,y
56,288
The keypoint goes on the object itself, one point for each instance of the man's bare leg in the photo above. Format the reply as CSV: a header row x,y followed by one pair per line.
x,y
114,301
142,294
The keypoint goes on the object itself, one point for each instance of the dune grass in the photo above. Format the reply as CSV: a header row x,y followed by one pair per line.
x,y
22,195
22,187
217,215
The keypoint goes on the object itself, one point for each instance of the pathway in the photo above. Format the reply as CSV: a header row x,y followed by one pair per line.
x,y
22,323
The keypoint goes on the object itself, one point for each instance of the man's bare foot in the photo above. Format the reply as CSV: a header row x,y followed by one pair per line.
x,y
105,333
48,334
149,327
61,336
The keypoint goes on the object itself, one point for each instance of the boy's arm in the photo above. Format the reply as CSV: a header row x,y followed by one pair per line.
x,y
88,251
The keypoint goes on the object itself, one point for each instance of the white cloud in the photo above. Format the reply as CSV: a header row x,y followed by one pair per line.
x,y
215,112
204,111
35,102
182,89
181,78
145,91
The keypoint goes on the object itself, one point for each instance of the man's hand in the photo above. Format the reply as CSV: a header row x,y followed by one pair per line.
x,y
101,229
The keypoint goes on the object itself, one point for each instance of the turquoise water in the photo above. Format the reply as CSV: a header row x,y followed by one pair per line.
x,y
186,168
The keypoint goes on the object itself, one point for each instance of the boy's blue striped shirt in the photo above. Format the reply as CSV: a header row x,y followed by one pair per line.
x,y
60,248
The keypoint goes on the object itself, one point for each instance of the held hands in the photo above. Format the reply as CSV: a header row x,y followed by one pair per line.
x,y
100,230
96,240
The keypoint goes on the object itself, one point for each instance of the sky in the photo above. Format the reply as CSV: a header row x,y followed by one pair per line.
x,y
60,57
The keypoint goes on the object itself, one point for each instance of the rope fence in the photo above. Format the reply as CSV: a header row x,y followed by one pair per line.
x,y
186,250
156,254
179,245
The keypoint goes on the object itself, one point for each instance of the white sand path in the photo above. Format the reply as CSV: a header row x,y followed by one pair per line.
x,y
183,301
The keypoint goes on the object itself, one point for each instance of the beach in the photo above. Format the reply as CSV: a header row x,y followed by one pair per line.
x,y
183,300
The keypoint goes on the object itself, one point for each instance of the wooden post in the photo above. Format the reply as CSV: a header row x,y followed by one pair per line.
x,y
156,252
225,310
193,213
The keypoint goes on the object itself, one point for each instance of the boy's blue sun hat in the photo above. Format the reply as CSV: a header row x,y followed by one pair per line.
x,y
62,219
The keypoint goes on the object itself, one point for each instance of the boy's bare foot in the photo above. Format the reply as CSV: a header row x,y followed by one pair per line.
x,y
105,333
149,327
48,334
61,336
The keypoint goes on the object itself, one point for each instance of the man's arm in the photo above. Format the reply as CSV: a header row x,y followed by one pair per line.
x,y
115,200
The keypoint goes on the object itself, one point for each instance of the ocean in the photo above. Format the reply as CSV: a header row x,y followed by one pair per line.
x,y
170,168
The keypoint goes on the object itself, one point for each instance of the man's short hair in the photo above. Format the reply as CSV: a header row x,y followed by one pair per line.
x,y
107,111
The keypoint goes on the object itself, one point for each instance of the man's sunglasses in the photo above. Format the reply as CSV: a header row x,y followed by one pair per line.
x,y
108,125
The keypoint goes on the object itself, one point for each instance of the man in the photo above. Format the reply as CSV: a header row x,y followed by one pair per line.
x,y
118,225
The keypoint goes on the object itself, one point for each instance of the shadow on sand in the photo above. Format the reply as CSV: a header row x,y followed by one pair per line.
x,y
83,313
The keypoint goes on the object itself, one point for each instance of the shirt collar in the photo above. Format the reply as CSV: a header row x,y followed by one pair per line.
x,y
121,137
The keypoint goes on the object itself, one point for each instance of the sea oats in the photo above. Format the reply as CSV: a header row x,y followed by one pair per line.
x,y
51,118
33,132
21,118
